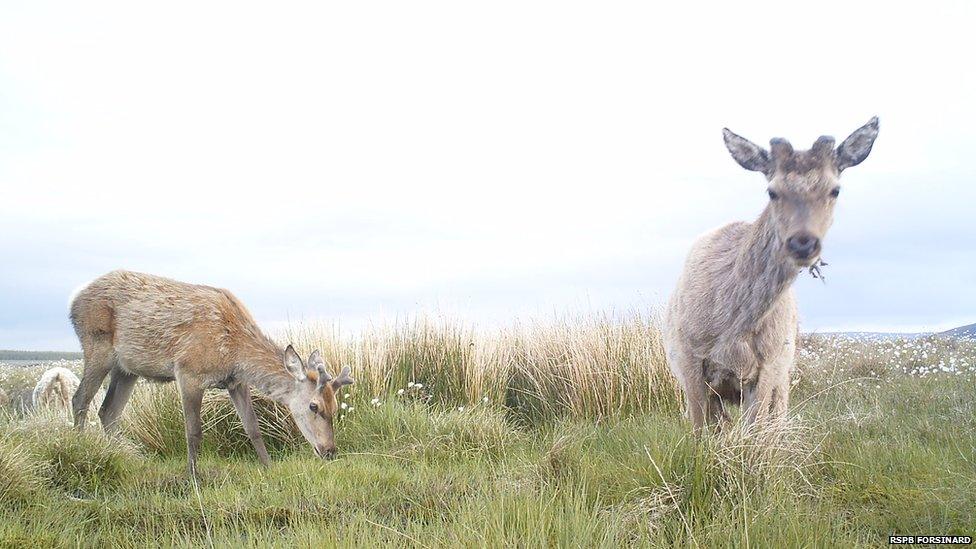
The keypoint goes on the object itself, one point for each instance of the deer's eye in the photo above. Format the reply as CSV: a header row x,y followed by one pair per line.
x,y
835,192
772,194
314,408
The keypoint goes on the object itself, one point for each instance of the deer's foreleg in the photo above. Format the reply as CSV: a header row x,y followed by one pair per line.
x,y
758,398
240,395
191,396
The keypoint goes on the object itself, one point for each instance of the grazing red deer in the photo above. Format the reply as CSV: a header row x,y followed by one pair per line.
x,y
731,324
133,324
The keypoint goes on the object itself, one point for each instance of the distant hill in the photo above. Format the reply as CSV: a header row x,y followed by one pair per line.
x,y
872,336
962,332
38,355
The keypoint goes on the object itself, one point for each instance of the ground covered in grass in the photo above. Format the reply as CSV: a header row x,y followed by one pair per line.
x,y
865,454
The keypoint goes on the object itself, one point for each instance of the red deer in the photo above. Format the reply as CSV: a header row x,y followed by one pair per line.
x,y
54,388
731,324
135,325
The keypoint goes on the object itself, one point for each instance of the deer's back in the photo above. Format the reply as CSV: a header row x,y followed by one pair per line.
x,y
153,322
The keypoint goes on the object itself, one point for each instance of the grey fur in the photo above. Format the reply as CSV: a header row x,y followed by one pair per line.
x,y
749,155
853,150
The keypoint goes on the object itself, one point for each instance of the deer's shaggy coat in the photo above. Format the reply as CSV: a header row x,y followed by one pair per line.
x,y
731,323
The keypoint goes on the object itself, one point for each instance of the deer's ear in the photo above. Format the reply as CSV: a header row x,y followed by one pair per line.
x,y
857,146
293,363
342,379
749,155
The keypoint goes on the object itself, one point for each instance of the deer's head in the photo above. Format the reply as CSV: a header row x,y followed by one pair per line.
x,y
313,402
803,185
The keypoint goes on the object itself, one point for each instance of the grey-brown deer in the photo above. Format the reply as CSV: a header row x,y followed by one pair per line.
x,y
731,324
135,325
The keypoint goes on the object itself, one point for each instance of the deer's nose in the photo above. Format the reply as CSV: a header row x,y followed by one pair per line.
x,y
802,245
328,452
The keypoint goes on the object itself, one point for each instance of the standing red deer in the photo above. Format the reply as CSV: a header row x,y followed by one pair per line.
x,y
731,325
133,324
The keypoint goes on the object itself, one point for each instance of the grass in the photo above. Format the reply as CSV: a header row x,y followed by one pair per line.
x,y
580,443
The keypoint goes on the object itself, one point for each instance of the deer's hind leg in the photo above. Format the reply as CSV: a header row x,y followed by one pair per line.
x,y
99,361
119,391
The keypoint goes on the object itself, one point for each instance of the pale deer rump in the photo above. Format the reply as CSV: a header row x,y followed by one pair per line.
x,y
152,324
54,388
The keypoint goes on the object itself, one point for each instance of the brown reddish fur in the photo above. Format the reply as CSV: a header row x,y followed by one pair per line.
x,y
133,324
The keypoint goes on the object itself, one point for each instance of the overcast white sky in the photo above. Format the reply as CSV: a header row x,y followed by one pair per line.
x,y
356,161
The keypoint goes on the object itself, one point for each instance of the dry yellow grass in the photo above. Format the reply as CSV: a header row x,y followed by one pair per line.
x,y
577,367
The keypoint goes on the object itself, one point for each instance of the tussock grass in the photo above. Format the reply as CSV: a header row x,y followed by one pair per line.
x,y
154,419
80,464
411,431
21,474
582,367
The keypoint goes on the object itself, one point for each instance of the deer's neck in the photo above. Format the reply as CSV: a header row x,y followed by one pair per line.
x,y
762,271
261,366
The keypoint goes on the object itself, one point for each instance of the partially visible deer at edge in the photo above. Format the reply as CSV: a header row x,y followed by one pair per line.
x,y
54,389
132,324
731,324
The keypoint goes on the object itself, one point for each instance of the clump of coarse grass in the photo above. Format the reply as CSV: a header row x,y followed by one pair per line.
x,y
693,482
642,515
589,367
22,475
772,455
154,419
409,429
81,463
